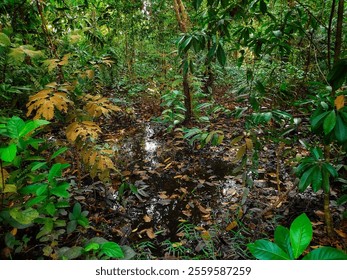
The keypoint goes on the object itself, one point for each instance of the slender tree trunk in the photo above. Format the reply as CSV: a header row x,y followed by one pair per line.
x,y
182,20
338,41
51,45
327,214
332,12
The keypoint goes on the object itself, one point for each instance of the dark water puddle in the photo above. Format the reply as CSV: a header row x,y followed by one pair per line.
x,y
196,186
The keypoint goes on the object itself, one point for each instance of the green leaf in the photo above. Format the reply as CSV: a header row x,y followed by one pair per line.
x,y
329,122
24,217
300,234
56,171
51,209
340,130
14,126
112,250
5,40
46,229
38,165
317,121
70,253
61,190
316,178
306,179
91,246
71,226
59,152
282,239
35,201
77,209
83,221
9,153
31,126
338,74
326,253
265,250
221,56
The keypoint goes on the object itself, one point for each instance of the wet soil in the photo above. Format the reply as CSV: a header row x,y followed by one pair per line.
x,y
180,185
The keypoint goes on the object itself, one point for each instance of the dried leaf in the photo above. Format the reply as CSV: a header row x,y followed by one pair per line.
x,y
206,235
231,226
341,233
147,218
188,213
339,102
163,195
150,233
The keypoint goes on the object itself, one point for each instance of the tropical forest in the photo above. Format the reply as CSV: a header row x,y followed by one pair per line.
x,y
173,130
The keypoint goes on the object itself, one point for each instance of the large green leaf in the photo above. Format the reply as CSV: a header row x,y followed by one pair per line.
x,y
300,234
221,56
265,250
112,250
306,179
24,217
317,121
14,126
329,122
326,253
56,171
316,178
31,126
340,129
61,190
9,153
282,239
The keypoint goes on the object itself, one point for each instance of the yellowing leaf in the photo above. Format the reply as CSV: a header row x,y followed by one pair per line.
x,y
4,175
249,144
45,101
339,102
99,105
231,226
82,130
240,153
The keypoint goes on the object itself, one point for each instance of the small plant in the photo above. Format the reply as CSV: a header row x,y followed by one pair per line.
x,y
203,137
97,248
290,244
77,217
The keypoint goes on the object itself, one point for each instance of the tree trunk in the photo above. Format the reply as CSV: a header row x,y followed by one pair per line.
x,y
332,11
327,215
182,20
338,41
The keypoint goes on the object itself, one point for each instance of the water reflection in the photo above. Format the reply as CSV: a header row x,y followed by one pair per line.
x,y
150,146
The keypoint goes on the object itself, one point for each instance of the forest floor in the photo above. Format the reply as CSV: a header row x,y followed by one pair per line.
x,y
199,202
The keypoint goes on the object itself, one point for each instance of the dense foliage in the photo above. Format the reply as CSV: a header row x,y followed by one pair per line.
x,y
76,76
